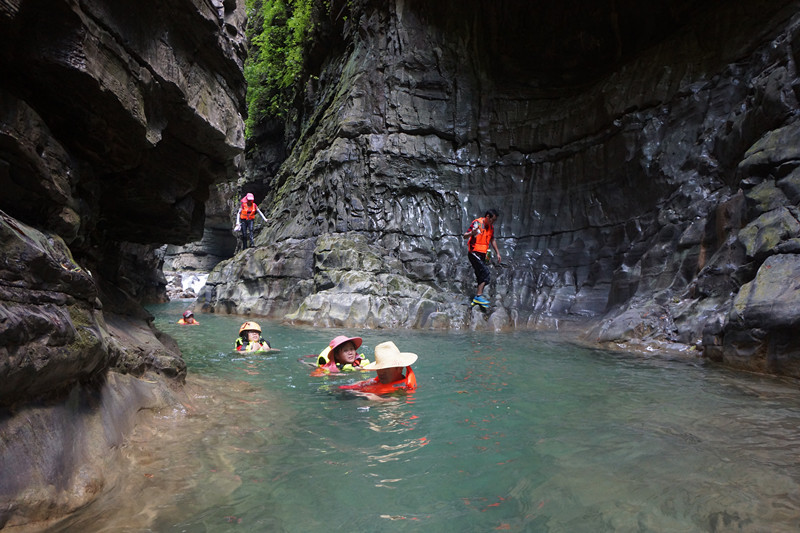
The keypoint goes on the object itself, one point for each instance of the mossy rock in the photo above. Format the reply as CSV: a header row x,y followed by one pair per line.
x,y
767,231
773,149
772,299
765,197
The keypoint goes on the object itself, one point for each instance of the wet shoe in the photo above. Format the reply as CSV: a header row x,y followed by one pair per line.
x,y
480,300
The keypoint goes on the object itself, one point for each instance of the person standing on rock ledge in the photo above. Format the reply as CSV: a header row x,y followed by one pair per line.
x,y
245,218
481,235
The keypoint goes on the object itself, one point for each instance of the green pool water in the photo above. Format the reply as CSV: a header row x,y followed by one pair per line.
x,y
506,432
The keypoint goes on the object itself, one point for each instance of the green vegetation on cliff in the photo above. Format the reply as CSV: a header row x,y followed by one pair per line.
x,y
278,31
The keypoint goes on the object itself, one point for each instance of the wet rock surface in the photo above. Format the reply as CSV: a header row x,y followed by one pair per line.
x,y
760,331
59,457
643,157
115,120
643,160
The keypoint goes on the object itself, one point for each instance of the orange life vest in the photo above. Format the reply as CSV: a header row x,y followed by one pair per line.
x,y
480,242
374,386
248,211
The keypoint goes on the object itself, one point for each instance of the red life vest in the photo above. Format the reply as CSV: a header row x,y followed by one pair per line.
x,y
374,386
248,211
480,242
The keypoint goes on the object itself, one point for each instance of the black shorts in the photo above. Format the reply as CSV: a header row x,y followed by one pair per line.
x,y
478,262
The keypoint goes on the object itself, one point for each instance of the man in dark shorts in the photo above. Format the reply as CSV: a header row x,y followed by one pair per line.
x,y
481,235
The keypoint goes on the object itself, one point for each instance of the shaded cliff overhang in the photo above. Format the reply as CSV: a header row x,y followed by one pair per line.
x,y
551,45
117,116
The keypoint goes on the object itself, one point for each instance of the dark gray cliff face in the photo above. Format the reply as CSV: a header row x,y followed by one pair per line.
x,y
642,159
115,118
131,118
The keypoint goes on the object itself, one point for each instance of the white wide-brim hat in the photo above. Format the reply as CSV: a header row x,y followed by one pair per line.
x,y
387,355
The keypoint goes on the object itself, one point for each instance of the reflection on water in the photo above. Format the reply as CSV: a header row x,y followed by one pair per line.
x,y
512,432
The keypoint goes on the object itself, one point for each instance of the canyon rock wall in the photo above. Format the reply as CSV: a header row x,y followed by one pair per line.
x,y
642,158
116,117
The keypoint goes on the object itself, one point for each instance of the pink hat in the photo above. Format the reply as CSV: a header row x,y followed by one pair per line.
x,y
249,197
341,339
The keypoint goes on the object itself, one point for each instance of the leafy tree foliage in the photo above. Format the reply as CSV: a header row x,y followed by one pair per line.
x,y
278,31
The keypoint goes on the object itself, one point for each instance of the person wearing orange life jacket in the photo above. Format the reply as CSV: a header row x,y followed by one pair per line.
x,y
245,219
340,356
481,236
188,319
389,363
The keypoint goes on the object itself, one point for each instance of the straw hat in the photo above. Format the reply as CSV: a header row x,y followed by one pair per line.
x,y
341,339
387,355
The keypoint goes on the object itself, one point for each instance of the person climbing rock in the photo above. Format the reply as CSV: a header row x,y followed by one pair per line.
x,y
481,235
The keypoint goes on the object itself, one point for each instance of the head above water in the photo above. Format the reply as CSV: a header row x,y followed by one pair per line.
x,y
341,339
188,313
343,349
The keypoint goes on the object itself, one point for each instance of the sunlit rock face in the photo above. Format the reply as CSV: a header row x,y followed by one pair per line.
x,y
115,119
625,145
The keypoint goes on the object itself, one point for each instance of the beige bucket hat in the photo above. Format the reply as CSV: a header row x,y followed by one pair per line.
x,y
387,355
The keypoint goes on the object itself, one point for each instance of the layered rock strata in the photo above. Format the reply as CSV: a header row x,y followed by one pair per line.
x,y
115,119
641,157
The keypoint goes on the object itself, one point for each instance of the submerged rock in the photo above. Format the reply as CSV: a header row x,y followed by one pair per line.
x,y
59,457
